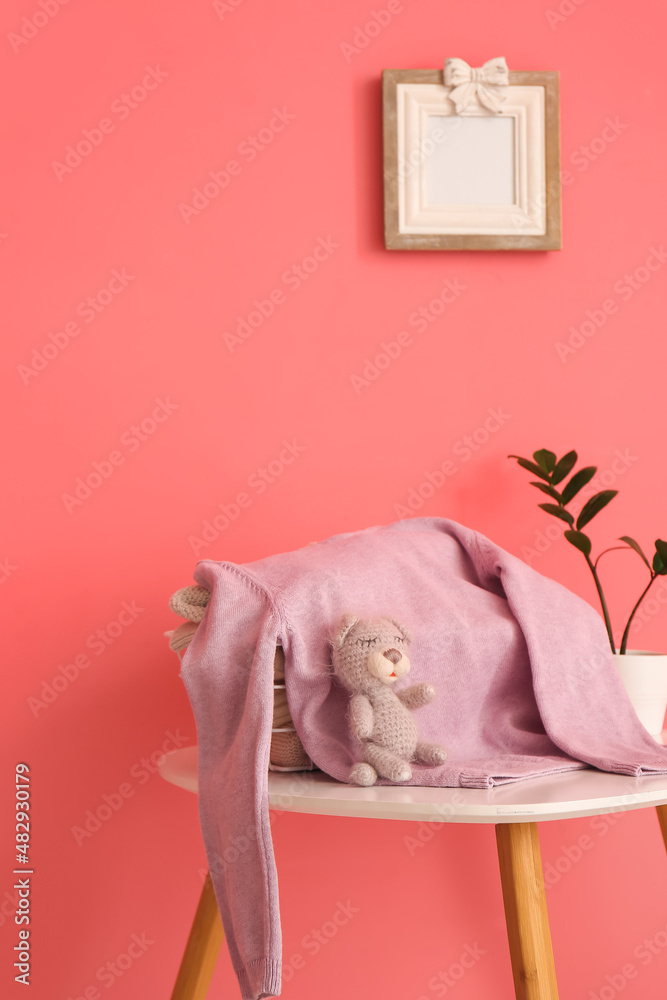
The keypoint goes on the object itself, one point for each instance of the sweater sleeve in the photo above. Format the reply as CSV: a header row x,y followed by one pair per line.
x,y
228,674
582,701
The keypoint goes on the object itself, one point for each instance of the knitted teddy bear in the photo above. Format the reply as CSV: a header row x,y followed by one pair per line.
x,y
369,656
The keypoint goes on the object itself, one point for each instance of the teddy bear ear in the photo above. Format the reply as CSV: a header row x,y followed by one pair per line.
x,y
407,635
347,623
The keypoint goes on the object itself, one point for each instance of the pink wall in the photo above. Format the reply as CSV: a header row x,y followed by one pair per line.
x,y
152,352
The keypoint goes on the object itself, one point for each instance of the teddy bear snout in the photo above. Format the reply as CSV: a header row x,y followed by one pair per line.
x,y
387,665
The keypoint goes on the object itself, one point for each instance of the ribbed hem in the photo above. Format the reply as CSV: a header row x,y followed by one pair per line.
x,y
260,978
472,778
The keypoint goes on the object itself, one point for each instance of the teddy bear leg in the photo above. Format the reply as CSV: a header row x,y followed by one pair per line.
x,y
430,753
363,774
386,763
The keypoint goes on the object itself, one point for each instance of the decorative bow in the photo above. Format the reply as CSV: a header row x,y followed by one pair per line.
x,y
483,83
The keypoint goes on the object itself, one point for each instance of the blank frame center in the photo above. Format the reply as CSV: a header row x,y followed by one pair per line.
x,y
471,160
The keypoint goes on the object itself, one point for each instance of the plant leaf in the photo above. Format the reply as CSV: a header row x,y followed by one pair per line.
x,y
660,558
563,467
594,506
578,481
661,547
545,459
525,463
564,515
636,546
580,541
549,490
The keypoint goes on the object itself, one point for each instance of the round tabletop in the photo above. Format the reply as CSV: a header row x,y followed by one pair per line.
x,y
556,796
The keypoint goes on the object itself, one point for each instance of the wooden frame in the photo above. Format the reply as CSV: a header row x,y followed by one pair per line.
x,y
529,219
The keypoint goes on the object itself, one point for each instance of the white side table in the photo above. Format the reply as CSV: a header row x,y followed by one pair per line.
x,y
515,810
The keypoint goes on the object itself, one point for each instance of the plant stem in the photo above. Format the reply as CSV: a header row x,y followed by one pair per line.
x,y
614,548
603,603
624,640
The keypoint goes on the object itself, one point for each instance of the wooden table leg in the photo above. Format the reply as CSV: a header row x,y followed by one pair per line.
x,y
662,819
201,951
526,911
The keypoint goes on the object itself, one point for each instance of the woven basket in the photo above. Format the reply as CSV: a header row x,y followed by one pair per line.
x,y
287,751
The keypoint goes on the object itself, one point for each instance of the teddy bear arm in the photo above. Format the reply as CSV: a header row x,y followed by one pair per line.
x,y
417,695
361,717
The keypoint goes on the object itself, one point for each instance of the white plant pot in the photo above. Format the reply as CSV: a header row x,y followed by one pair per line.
x,y
644,676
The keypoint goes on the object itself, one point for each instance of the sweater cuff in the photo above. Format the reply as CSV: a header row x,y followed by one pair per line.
x,y
260,978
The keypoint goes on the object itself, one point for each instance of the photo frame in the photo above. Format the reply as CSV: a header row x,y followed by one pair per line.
x,y
479,179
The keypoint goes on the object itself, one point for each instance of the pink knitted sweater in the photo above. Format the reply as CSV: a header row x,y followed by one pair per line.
x,y
524,677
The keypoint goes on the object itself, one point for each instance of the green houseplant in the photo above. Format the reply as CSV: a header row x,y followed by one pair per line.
x,y
644,674
551,472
